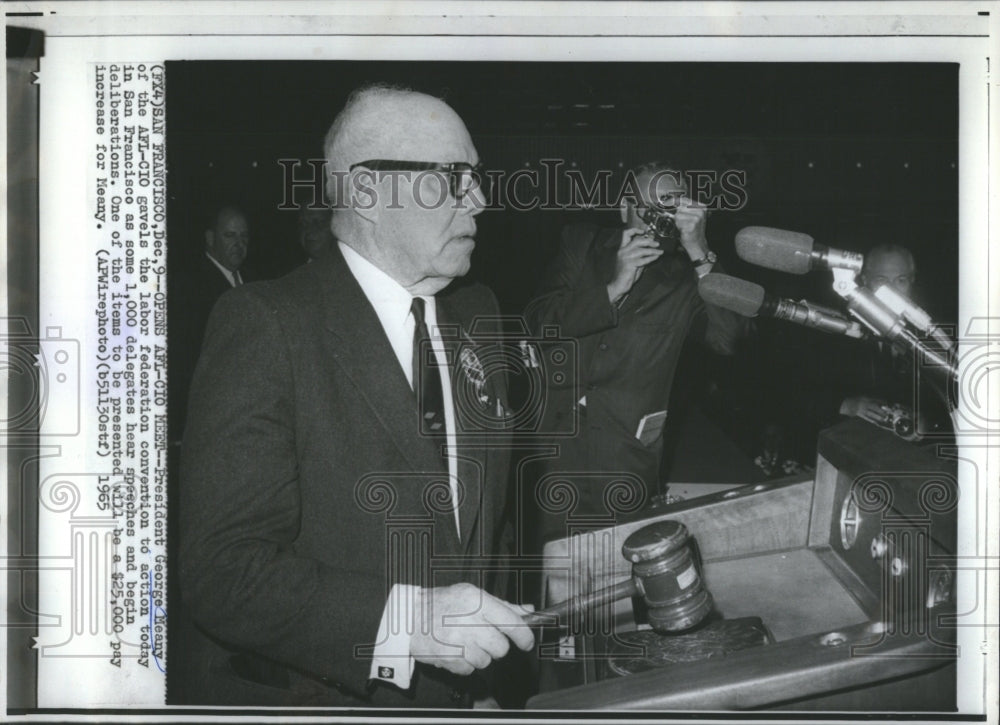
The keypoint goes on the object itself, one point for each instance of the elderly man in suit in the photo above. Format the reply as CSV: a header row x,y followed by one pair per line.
x,y
343,481
628,298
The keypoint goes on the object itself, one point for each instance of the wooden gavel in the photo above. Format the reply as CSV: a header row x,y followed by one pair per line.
x,y
664,574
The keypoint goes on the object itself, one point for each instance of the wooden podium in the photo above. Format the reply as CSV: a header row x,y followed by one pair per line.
x,y
851,572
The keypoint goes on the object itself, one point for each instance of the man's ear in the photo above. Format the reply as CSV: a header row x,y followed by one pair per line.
x,y
624,211
364,191
209,239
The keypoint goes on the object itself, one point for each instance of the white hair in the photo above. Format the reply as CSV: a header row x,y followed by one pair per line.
x,y
352,131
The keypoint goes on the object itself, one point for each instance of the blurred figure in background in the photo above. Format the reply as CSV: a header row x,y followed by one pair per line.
x,y
887,392
227,238
886,372
315,237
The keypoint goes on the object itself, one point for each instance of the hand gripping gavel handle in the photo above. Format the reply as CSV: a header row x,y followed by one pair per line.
x,y
559,614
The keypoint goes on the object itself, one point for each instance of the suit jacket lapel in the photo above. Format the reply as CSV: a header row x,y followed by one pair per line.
x,y
479,459
471,456
365,355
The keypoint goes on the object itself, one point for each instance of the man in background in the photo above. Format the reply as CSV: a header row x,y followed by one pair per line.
x,y
226,242
887,373
885,388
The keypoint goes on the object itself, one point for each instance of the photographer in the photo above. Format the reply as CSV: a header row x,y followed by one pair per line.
x,y
629,299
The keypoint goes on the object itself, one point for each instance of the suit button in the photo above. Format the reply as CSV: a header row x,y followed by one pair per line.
x,y
591,387
603,346
456,696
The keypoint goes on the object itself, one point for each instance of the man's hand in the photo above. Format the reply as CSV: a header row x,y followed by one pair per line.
x,y
690,220
461,628
871,409
635,252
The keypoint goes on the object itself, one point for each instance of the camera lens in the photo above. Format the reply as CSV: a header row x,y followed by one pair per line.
x,y
665,230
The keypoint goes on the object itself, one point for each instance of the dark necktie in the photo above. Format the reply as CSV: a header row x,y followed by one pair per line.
x,y
426,376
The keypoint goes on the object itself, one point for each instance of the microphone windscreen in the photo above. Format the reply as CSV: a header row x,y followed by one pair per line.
x,y
775,249
731,293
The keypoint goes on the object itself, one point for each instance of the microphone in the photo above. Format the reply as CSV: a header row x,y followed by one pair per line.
x,y
914,314
885,321
750,300
791,251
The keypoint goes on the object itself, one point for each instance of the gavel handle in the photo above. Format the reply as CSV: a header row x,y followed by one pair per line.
x,y
559,614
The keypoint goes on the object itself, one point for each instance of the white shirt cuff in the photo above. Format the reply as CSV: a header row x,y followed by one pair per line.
x,y
391,660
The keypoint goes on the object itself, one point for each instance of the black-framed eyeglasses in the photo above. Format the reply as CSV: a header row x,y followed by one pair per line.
x,y
462,177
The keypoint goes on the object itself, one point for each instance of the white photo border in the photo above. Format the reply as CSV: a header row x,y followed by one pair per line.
x,y
81,34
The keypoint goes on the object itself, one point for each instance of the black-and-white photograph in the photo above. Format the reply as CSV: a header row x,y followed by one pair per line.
x,y
683,307
524,360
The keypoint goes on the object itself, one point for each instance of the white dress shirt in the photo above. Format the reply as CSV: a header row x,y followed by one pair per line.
x,y
392,661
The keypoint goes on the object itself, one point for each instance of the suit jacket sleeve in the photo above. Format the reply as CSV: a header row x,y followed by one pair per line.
x,y
241,576
571,297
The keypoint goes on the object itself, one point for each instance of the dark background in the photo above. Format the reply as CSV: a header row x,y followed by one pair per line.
x,y
850,153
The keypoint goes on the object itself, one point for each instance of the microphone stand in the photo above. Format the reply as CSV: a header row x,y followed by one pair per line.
x,y
887,323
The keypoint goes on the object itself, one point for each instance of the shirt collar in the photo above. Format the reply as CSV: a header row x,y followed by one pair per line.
x,y
389,298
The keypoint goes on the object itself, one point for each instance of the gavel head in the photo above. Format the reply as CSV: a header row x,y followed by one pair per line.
x,y
665,573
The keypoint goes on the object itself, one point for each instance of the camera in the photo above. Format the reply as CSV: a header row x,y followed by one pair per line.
x,y
659,220
899,419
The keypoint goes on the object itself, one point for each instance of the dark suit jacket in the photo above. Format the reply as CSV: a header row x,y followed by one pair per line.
x,y
307,492
195,287
627,354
